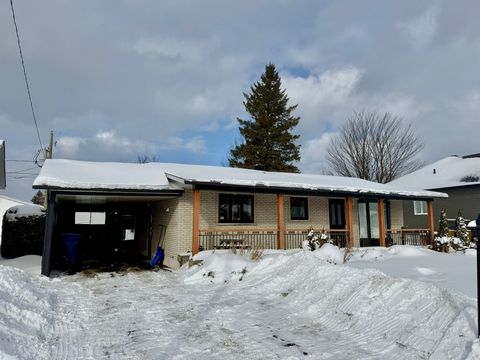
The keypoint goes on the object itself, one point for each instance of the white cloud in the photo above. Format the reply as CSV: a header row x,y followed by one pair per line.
x,y
329,88
313,154
421,30
195,145
169,48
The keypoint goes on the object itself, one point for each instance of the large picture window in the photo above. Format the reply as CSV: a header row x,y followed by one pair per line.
x,y
420,207
233,208
298,208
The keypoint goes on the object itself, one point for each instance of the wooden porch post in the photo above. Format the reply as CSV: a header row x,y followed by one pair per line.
x,y
349,220
280,223
381,222
431,226
196,222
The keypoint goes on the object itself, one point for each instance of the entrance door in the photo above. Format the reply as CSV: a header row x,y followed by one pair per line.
x,y
368,223
337,213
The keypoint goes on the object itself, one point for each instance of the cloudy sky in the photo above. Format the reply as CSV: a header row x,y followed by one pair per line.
x,y
119,79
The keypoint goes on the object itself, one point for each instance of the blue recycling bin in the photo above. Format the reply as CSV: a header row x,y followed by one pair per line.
x,y
71,246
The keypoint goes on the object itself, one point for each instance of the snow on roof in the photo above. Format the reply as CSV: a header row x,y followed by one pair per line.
x,y
452,171
72,174
88,175
258,178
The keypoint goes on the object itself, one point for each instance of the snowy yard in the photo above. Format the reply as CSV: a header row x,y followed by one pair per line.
x,y
295,305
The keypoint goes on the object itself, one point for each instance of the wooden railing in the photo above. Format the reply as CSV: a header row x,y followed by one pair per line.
x,y
294,238
211,239
246,238
418,237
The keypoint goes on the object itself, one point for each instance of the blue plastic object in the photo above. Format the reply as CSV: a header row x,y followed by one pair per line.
x,y
158,258
71,245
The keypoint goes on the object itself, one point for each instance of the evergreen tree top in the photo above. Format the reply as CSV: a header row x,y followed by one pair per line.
x,y
268,140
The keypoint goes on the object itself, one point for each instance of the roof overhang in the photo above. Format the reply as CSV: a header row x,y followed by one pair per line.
x,y
258,188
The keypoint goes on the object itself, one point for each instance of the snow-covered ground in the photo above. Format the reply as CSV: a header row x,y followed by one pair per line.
x,y
291,304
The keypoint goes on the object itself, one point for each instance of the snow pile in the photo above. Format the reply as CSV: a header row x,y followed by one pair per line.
x,y
20,211
330,254
453,271
29,312
219,267
29,263
285,305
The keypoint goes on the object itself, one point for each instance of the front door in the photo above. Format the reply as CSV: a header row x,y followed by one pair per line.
x,y
368,223
337,213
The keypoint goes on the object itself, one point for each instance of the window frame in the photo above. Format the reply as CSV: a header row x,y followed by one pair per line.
x,y
230,203
95,218
423,207
305,204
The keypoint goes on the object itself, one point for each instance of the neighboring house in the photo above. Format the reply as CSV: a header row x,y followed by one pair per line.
x,y
457,176
5,204
121,210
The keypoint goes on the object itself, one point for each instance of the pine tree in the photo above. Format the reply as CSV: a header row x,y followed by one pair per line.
x,y
462,231
39,198
268,140
443,224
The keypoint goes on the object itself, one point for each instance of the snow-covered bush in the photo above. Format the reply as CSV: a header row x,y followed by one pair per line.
x,y
462,231
316,240
444,242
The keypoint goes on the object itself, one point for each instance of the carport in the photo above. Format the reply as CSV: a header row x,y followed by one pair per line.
x,y
107,208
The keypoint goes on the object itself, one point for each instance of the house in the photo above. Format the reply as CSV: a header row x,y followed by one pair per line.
x,y
122,210
457,176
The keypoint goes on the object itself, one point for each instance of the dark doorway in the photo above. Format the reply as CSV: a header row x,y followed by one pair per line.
x,y
337,213
368,223
111,234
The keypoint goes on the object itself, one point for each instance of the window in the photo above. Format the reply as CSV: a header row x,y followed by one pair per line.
x,y
233,208
89,218
298,208
420,207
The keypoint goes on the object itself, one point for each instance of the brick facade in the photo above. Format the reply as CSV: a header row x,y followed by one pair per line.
x,y
177,215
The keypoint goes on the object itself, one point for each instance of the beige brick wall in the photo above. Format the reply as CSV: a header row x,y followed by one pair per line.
x,y
177,215
318,216
264,211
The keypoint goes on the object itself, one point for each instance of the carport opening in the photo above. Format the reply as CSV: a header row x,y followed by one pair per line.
x,y
105,234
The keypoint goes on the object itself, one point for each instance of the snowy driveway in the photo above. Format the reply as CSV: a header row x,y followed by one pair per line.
x,y
286,306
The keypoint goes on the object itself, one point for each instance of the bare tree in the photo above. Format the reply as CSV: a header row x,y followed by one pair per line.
x,y
374,147
143,159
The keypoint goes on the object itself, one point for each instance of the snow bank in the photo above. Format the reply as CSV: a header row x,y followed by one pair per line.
x,y
343,311
29,263
330,254
20,211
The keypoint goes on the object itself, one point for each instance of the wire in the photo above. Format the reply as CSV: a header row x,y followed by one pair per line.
x,y
25,75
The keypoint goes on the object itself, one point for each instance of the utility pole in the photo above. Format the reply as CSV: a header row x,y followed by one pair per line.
x,y
49,155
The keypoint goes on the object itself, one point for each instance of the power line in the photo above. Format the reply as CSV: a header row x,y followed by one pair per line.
x,y
25,74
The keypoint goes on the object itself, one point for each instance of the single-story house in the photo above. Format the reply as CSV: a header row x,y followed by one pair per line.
x,y
457,176
122,210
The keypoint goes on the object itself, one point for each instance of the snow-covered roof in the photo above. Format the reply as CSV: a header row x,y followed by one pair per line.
x,y
89,175
452,171
71,174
